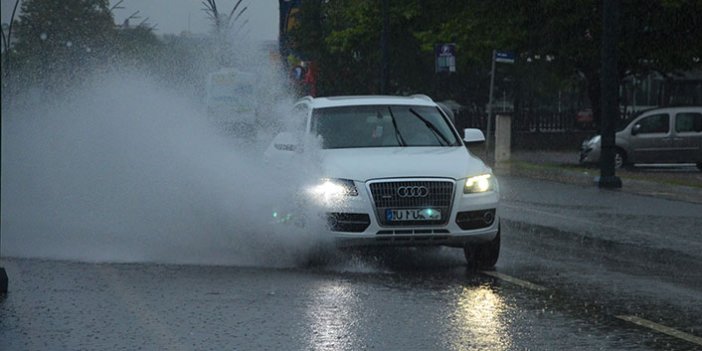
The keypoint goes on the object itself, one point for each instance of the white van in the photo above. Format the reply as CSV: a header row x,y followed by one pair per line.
x,y
231,99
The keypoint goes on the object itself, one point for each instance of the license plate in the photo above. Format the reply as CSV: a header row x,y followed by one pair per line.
x,y
424,214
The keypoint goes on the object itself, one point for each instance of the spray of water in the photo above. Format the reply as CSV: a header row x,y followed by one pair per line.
x,y
125,169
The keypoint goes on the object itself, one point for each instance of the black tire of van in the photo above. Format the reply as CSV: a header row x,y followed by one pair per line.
x,y
699,166
619,153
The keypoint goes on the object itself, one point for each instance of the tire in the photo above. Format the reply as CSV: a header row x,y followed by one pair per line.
x,y
619,159
699,166
483,255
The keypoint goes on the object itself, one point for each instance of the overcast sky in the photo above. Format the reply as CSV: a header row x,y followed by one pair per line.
x,y
174,16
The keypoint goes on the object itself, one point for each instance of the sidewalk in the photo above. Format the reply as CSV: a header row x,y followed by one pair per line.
x,y
621,225
682,183
656,215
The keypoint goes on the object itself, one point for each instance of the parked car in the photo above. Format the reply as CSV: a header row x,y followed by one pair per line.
x,y
584,119
662,135
397,173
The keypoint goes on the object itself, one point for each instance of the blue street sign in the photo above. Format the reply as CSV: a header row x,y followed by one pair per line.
x,y
445,57
504,56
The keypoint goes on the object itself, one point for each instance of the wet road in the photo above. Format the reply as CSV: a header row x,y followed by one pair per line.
x,y
550,291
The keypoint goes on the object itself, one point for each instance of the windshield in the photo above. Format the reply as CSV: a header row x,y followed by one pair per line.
x,y
382,126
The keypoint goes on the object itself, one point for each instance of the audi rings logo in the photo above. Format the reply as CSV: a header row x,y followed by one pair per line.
x,y
412,191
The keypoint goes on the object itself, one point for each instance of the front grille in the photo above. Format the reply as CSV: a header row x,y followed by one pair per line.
x,y
439,196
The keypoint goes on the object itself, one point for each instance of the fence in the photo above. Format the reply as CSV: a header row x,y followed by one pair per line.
x,y
538,130
529,121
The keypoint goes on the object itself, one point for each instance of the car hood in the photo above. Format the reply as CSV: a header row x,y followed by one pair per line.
x,y
363,164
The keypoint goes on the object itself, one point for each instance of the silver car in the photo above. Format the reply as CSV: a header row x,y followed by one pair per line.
x,y
663,135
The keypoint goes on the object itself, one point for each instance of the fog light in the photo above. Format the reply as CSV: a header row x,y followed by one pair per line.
x,y
488,217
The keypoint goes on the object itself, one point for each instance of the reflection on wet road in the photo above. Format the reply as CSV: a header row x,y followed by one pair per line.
x,y
480,320
332,316
412,300
550,291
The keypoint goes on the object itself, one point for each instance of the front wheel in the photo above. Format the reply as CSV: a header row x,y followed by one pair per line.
x,y
619,159
699,166
483,255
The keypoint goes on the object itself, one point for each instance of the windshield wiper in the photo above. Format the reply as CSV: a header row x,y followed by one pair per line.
x,y
437,134
398,136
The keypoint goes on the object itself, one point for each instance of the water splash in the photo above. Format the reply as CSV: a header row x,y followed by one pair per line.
x,y
125,169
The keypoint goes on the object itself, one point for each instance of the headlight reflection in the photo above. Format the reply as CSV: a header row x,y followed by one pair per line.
x,y
333,317
480,320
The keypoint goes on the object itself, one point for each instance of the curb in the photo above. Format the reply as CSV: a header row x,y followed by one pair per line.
x,y
622,252
633,186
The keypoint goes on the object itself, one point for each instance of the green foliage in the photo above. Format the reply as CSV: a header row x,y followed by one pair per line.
x,y
558,43
57,39
137,46
59,42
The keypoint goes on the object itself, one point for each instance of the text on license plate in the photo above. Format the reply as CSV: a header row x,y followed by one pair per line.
x,y
424,214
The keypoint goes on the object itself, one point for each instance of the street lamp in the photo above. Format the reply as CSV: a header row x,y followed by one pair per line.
x,y
4,280
384,65
610,91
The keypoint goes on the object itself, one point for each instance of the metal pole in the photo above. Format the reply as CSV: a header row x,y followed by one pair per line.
x,y
384,66
489,109
4,280
609,101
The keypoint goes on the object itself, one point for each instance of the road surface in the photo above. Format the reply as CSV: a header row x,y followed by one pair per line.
x,y
580,270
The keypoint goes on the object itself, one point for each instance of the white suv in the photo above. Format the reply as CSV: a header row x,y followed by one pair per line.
x,y
397,173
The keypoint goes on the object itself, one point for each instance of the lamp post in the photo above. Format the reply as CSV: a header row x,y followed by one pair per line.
x,y
384,65
4,280
609,102
489,109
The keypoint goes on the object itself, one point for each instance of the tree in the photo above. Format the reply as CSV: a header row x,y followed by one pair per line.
x,y
343,36
343,39
223,28
59,39
656,36
137,46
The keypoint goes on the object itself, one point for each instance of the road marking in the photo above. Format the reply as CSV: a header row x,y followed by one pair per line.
x,y
515,281
662,329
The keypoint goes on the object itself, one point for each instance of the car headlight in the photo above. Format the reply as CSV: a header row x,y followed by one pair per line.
x,y
479,184
334,188
595,140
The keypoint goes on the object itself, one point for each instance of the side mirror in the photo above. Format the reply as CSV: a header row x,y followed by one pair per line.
x,y
473,136
635,129
285,142
282,144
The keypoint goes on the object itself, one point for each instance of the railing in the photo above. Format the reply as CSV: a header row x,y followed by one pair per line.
x,y
528,121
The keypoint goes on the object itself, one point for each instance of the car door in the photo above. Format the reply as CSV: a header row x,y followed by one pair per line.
x,y
651,139
688,136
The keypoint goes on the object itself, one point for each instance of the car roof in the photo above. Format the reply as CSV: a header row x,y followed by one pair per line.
x,y
366,100
672,109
